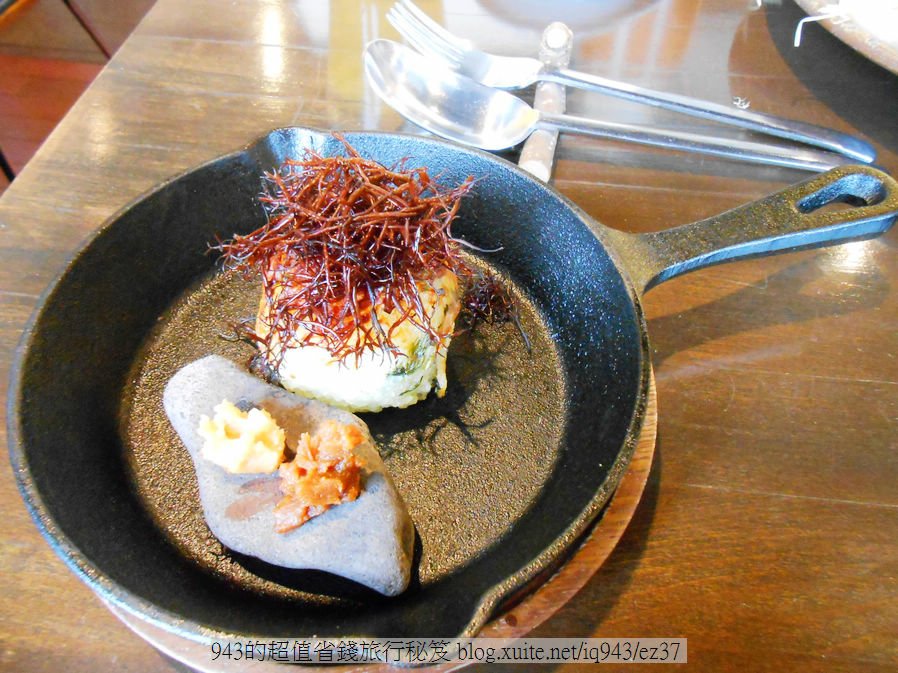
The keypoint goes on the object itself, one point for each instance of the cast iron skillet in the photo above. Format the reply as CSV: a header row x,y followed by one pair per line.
x,y
502,475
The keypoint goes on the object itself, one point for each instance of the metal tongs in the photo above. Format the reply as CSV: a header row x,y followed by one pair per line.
x,y
502,72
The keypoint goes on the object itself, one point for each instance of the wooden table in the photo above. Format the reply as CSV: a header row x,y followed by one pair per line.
x,y
768,533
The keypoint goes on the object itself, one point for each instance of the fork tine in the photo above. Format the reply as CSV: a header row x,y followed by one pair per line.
x,y
420,38
423,32
422,43
434,27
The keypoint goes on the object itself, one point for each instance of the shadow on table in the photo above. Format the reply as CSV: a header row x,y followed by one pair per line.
x,y
774,300
855,88
747,309
591,605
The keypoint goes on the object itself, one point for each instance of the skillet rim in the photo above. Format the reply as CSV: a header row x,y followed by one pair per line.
x,y
525,580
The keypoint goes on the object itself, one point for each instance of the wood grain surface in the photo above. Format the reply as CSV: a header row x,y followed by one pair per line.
x,y
768,531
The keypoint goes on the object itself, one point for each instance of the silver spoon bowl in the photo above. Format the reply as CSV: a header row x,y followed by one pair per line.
x,y
430,95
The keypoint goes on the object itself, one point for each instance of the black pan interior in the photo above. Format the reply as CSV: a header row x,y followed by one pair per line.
x,y
115,494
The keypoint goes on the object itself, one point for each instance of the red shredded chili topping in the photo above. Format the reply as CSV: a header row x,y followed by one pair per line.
x,y
486,300
344,235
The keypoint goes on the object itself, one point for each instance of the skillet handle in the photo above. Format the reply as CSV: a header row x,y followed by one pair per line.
x,y
792,219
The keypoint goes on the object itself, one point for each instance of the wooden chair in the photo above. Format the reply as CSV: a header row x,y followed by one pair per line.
x,y
5,167
4,164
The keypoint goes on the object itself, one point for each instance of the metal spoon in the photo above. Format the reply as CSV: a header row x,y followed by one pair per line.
x,y
428,94
518,72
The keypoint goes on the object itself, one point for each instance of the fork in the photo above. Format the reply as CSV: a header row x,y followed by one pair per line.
x,y
518,72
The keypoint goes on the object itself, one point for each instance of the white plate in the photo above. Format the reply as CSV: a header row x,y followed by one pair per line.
x,y
870,27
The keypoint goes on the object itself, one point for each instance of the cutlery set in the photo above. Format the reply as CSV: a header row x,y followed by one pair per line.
x,y
454,90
